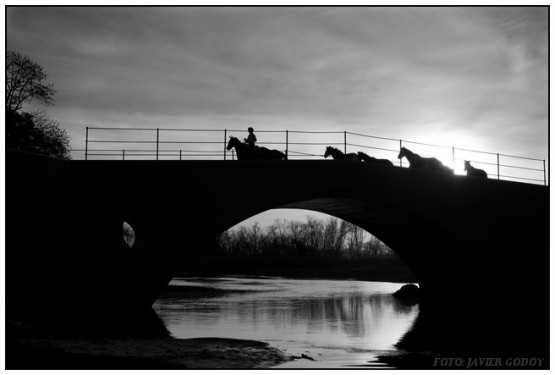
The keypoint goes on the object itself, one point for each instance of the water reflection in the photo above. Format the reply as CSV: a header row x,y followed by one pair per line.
x,y
343,321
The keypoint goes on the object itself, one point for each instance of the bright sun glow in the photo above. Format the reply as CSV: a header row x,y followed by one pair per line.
x,y
455,149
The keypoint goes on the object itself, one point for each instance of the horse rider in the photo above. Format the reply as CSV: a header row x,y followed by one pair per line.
x,y
251,138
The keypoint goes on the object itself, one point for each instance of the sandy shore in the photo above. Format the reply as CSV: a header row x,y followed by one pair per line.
x,y
47,346
151,353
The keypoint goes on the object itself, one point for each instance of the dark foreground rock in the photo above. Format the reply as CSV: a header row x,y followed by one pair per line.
x,y
408,294
151,353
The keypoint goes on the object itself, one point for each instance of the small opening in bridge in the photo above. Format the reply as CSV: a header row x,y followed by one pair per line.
x,y
128,234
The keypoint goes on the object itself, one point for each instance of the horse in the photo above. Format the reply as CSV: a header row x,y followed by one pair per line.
x,y
338,155
369,159
471,171
418,162
245,151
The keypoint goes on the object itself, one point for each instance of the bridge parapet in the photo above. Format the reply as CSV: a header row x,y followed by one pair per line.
x,y
210,144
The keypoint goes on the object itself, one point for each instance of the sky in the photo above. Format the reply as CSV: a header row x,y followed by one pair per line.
x,y
467,77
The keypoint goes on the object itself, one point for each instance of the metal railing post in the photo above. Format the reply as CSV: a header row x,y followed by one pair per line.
x,y
345,140
86,142
544,175
157,141
225,140
180,155
122,154
498,173
287,145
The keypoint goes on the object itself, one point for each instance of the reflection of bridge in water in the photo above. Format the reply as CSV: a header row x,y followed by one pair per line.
x,y
465,239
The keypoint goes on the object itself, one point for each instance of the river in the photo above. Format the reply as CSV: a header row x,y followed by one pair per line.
x,y
328,324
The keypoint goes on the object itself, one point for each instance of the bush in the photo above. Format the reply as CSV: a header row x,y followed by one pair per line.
x,y
36,133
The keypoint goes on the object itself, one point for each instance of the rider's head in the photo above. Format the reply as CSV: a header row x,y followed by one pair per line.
x,y
251,130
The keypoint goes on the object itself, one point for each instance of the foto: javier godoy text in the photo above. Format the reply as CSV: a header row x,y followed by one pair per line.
x,y
481,362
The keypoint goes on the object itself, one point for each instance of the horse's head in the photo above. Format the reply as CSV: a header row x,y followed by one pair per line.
x,y
402,153
466,165
328,152
232,142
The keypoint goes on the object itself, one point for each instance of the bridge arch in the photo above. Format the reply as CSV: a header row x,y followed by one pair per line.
x,y
452,231
422,245
447,229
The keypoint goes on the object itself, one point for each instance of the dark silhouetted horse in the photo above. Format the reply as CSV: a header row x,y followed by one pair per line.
x,y
246,152
418,162
471,171
338,155
369,159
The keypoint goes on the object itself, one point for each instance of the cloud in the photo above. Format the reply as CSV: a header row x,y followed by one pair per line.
x,y
387,71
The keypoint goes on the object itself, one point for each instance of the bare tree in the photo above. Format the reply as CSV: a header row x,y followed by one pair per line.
x,y
25,82
295,231
376,248
314,238
330,232
254,238
32,132
314,233
355,240
278,232
342,232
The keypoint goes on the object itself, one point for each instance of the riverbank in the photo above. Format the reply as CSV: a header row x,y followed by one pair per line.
x,y
28,349
386,269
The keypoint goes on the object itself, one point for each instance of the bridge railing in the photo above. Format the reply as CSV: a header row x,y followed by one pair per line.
x,y
210,144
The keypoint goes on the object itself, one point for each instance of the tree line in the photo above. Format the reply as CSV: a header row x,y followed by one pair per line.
x,y
315,238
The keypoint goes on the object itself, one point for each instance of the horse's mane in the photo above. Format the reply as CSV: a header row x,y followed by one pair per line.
x,y
235,140
406,150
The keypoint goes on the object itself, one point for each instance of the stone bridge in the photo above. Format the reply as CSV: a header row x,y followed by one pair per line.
x,y
458,234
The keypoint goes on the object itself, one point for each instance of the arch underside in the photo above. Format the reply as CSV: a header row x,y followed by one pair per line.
x,y
424,247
